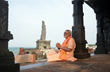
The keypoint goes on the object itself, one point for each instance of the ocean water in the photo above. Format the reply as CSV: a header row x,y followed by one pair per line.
x,y
15,50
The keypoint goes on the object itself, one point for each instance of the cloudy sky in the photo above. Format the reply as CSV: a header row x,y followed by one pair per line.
x,y
26,16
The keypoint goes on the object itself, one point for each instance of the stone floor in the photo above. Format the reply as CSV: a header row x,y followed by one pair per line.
x,y
97,63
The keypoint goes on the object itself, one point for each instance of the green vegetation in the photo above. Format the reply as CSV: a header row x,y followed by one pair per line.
x,y
90,45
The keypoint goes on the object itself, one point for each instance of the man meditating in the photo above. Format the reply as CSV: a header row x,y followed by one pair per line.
x,y
66,50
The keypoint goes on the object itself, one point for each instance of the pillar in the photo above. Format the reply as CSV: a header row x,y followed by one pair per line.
x,y
100,32
107,34
7,63
78,31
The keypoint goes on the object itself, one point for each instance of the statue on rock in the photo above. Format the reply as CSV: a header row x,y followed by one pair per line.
x,y
43,43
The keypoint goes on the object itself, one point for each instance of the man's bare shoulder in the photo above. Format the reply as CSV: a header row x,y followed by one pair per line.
x,y
72,39
72,43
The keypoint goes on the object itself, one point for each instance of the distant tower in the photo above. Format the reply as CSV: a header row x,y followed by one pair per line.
x,y
43,35
42,43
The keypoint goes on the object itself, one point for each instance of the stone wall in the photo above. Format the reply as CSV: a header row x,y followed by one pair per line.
x,y
40,53
25,58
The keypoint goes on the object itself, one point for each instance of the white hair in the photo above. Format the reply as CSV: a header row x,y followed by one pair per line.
x,y
69,31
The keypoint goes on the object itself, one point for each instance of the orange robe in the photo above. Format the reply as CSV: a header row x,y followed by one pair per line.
x,y
63,55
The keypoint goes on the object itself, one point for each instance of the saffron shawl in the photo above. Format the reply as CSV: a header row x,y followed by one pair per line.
x,y
63,53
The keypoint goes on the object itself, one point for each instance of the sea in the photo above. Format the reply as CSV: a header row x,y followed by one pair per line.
x,y
15,50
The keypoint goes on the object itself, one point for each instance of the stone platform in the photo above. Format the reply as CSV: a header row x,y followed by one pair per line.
x,y
97,63
25,58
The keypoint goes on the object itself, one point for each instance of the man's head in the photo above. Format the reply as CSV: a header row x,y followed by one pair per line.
x,y
67,33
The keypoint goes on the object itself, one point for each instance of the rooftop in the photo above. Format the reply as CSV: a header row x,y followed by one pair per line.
x,y
97,63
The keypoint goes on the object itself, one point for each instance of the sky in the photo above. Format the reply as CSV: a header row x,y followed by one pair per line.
x,y
26,16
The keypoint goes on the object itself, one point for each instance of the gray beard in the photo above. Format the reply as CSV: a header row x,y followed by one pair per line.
x,y
66,36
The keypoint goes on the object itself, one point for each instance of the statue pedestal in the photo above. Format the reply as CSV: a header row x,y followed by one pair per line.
x,y
43,44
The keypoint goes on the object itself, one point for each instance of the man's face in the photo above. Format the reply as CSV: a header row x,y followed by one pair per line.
x,y
66,34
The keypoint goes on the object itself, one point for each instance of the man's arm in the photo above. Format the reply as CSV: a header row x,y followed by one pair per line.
x,y
70,45
62,47
66,48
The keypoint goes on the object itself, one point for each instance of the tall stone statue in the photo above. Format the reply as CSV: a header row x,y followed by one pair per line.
x,y
43,43
43,35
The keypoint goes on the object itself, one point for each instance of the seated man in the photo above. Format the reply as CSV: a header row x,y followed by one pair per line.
x,y
65,50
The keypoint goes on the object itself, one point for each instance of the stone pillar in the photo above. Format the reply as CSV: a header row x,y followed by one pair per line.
x,y
107,34
100,33
43,44
6,57
78,31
